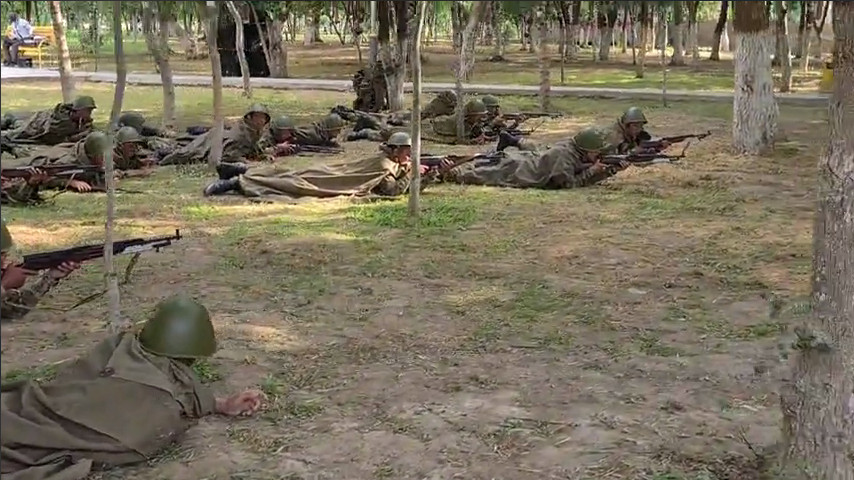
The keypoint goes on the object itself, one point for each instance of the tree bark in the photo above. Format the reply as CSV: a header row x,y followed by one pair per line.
x,y
755,111
819,21
818,400
240,47
805,38
66,75
216,133
121,66
465,64
415,186
693,31
158,46
720,28
643,20
278,48
543,56
678,58
574,31
783,49
607,21
394,62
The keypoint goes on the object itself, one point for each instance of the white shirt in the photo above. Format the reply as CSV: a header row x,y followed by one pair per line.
x,y
21,29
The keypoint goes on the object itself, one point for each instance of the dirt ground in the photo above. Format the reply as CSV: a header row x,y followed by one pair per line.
x,y
623,331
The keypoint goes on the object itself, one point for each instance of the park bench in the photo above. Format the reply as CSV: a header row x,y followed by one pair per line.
x,y
41,48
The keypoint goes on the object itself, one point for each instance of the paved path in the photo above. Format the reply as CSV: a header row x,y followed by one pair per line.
x,y
28,74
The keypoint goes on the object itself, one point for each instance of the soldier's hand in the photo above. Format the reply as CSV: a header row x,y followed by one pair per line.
x,y
37,176
624,164
423,169
15,277
480,140
63,270
665,144
242,404
286,149
79,186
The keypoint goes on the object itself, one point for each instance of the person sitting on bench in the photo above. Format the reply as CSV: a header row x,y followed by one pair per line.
x,y
21,33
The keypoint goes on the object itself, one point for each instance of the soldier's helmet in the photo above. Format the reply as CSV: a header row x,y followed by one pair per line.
x,y
475,107
83,102
96,144
6,242
399,139
132,119
128,135
490,101
590,140
258,108
633,115
283,122
180,328
332,122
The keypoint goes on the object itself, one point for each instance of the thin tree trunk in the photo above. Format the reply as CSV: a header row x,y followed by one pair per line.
x,y
121,66
264,38
465,64
755,111
818,400
643,20
624,40
805,39
720,28
663,60
240,46
783,42
415,186
216,70
693,31
66,75
158,46
678,58
574,31
545,67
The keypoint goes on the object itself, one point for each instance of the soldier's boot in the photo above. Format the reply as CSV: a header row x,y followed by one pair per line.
x,y
230,170
505,139
221,187
358,135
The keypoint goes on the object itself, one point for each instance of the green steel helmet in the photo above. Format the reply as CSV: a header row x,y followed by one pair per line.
x,y
399,139
475,107
128,135
132,119
257,108
490,101
283,122
6,242
633,115
96,143
332,122
181,328
83,102
590,139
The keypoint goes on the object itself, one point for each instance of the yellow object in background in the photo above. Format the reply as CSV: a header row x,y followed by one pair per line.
x,y
826,84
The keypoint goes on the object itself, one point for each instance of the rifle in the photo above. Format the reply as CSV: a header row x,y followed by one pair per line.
x,y
518,115
644,159
51,170
434,161
48,260
319,149
657,145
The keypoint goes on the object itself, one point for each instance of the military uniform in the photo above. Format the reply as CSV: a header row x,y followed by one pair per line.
x,y
17,191
16,303
156,142
619,139
130,161
83,153
320,134
52,127
444,128
61,429
239,143
562,166
445,103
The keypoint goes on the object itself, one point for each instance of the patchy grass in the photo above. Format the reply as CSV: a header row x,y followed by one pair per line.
x,y
627,330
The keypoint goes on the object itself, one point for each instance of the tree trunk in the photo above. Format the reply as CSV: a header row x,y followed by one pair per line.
x,y
66,76
415,186
805,39
158,46
278,48
117,323
574,31
693,31
606,35
822,7
678,58
465,64
395,63
265,40
545,67
216,133
240,46
624,39
643,20
457,28
783,42
596,32
818,400
121,66
310,34
755,110
802,23
720,29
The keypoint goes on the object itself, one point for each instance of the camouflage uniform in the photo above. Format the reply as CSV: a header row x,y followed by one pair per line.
x,y
320,134
157,143
83,153
617,137
238,143
562,166
17,191
445,103
52,127
16,303
134,161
